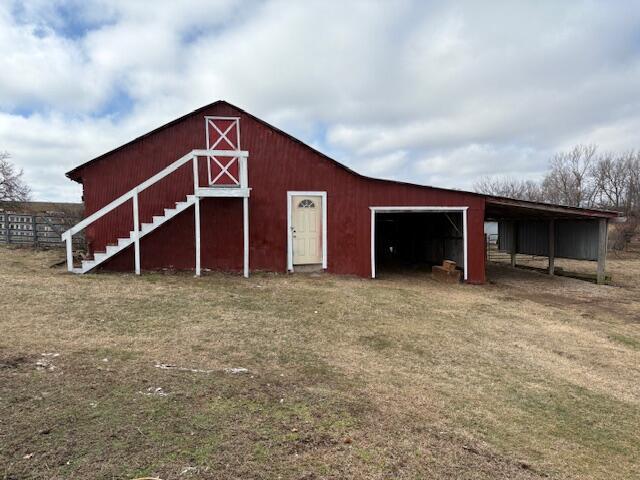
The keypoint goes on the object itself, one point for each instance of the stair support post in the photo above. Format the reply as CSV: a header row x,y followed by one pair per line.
x,y
69,244
244,177
244,183
136,232
197,234
245,235
196,209
196,181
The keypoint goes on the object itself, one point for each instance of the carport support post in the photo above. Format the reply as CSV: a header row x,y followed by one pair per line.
x,y
602,250
552,246
514,243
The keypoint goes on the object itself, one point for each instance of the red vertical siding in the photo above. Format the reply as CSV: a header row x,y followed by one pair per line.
x,y
277,164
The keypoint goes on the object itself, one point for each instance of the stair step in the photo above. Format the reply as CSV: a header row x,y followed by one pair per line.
x,y
144,229
87,264
98,257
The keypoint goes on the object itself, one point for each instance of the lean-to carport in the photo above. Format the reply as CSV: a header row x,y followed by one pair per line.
x,y
553,231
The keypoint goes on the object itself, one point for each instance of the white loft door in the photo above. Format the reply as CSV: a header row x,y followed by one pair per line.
x,y
306,232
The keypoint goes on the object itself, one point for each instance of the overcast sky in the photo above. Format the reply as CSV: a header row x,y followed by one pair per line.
x,y
429,92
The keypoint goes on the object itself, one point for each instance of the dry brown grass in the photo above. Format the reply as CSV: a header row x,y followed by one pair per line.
x,y
622,266
400,377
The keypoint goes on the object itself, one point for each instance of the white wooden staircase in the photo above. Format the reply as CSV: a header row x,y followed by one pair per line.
x,y
239,188
145,228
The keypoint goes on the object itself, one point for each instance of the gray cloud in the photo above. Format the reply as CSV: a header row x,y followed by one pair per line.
x,y
421,91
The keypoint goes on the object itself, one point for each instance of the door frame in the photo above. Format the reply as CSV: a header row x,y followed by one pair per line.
x,y
290,195
434,209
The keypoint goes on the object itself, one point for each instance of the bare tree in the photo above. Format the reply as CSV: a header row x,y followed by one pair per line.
x,y
509,187
581,178
12,186
569,181
610,175
633,185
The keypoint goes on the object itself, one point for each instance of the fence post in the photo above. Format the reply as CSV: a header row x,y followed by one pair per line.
x,y
8,227
35,231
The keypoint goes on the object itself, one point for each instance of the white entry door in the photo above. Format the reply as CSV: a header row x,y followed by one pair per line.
x,y
306,229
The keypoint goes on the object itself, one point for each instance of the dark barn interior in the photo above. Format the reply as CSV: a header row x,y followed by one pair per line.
x,y
418,240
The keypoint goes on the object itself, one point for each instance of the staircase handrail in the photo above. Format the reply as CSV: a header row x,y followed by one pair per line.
x,y
192,155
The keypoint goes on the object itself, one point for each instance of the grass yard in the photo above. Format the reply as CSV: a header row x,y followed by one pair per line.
x,y
113,376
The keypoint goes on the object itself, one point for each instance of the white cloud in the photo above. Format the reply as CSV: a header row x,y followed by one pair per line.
x,y
386,166
461,167
421,91
37,67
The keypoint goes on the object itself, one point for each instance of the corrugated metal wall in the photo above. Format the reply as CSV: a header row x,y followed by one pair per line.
x,y
576,239
533,238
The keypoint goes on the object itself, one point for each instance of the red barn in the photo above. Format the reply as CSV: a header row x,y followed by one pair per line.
x,y
221,189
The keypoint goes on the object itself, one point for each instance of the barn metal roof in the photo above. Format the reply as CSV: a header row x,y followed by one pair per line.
x,y
496,207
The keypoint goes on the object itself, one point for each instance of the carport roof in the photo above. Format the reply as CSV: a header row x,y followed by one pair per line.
x,y
502,208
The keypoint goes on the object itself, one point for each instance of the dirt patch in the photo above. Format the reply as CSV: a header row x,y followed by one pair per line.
x,y
14,361
561,292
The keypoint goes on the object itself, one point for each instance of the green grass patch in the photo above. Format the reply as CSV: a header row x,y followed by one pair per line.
x,y
625,340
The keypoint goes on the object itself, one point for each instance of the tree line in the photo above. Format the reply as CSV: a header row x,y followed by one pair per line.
x,y
580,177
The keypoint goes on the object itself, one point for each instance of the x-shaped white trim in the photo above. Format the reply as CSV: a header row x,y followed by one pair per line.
x,y
223,136
224,169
